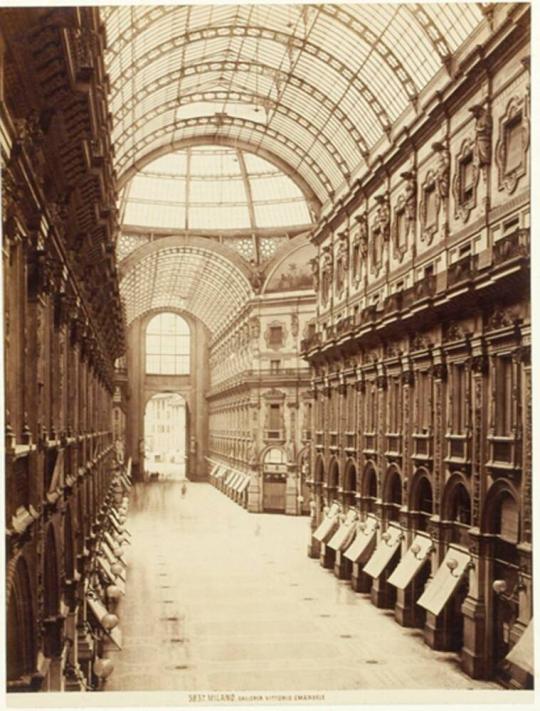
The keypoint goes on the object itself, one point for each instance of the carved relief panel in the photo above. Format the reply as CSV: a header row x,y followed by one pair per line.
x,y
342,262
326,273
511,151
359,242
380,232
404,216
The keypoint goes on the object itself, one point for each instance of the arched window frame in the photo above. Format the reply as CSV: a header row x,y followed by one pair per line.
x,y
167,345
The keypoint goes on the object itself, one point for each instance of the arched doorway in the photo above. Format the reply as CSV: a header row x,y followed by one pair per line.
x,y
166,437
20,639
393,494
349,485
456,508
502,514
274,480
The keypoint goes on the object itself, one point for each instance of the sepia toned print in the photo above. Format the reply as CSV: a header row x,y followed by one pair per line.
x,y
267,343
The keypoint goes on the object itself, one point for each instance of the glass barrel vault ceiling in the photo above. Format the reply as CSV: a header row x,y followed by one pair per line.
x,y
319,87
212,188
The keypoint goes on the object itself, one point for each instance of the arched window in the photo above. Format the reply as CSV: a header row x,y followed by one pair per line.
x,y
460,515
424,503
394,493
167,345
370,489
20,628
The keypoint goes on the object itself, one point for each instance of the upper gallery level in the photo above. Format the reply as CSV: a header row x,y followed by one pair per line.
x,y
445,213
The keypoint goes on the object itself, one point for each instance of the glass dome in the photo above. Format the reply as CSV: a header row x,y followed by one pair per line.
x,y
213,188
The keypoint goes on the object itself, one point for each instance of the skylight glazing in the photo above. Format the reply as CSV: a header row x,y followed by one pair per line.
x,y
316,86
213,188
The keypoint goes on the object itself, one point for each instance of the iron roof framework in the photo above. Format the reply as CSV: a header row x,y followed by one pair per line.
x,y
317,86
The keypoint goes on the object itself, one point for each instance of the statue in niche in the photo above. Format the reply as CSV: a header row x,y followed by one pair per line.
x,y
342,260
314,263
410,196
482,130
326,272
363,231
442,169
290,451
382,216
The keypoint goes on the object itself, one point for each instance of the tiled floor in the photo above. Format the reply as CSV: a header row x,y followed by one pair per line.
x,y
219,599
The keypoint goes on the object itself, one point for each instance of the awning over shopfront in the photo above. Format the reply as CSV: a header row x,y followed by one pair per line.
x,y
382,555
412,561
112,559
245,483
233,481
445,580
240,482
328,525
345,533
112,545
113,579
522,653
99,611
229,477
365,534
220,472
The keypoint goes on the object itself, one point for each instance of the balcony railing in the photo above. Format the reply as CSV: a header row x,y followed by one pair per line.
x,y
462,270
516,244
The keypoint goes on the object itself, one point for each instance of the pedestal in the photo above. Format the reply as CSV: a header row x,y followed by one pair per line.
x,y
360,581
327,556
383,595
474,657
405,608
314,548
342,567
254,502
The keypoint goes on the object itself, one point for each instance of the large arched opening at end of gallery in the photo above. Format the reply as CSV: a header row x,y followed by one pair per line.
x,y
166,437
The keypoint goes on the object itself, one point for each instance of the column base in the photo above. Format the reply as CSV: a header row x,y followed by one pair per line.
x,y
474,660
405,609
327,556
360,581
314,548
342,567
383,595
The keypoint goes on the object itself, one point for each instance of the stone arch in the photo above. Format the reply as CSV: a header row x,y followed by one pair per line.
x,y
333,473
455,496
491,519
393,485
350,475
420,484
20,621
369,485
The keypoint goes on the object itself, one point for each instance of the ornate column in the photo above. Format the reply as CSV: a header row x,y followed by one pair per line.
x,y
255,467
291,486
474,655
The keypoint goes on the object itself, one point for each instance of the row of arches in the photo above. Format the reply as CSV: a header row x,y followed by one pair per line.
x,y
500,514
